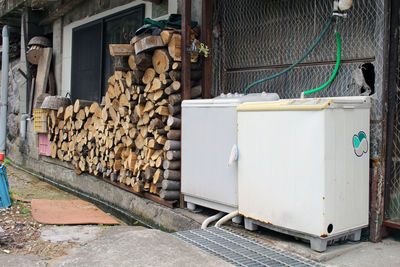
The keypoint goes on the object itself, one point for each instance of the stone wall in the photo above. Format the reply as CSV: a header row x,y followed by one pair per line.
x,y
16,83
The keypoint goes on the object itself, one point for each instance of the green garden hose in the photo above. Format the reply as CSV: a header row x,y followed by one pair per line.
x,y
297,62
339,55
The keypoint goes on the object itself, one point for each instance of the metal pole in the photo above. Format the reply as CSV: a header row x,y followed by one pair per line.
x,y
4,92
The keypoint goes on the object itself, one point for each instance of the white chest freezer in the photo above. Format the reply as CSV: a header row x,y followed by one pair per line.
x,y
209,129
304,165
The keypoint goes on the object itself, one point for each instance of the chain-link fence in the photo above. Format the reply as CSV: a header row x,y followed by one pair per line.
x,y
393,210
253,39
256,38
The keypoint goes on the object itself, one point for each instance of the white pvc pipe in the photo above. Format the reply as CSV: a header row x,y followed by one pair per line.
x,y
211,219
4,90
22,126
227,218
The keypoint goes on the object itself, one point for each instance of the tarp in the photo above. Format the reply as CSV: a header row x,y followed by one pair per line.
x,y
5,201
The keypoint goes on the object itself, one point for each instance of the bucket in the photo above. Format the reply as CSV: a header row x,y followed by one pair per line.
x,y
4,188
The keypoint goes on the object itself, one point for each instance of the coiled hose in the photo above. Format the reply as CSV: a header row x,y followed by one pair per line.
x,y
297,62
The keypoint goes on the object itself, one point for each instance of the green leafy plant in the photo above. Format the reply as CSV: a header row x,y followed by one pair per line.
x,y
26,211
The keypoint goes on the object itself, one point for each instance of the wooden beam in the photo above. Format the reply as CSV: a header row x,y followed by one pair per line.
x,y
123,50
186,19
206,81
59,12
42,74
186,70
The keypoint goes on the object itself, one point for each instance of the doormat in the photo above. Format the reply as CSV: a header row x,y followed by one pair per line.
x,y
68,212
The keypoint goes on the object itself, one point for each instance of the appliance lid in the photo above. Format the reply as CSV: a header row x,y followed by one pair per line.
x,y
305,104
231,99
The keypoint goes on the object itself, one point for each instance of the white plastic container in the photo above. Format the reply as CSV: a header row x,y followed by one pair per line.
x,y
304,166
209,128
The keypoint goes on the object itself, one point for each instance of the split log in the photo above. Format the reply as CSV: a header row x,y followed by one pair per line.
x,y
148,76
121,50
158,176
149,173
68,112
166,36
95,109
80,103
163,111
60,113
131,62
138,187
174,87
161,61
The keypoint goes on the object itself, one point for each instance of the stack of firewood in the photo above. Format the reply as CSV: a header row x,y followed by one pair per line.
x,y
134,136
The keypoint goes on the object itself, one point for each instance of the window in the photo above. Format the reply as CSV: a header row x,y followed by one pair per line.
x,y
92,64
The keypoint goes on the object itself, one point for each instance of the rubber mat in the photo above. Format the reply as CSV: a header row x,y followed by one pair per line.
x,y
68,212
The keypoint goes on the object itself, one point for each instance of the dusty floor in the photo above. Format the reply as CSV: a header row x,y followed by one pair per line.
x,y
21,233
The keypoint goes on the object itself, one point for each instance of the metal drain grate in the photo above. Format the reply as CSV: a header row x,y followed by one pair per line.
x,y
240,250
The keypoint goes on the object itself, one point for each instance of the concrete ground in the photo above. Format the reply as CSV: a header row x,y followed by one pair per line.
x,y
139,246
385,253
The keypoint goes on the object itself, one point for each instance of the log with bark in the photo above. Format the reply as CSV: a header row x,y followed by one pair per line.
x,y
134,137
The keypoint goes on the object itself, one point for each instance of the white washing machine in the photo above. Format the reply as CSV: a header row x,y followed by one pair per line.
x,y
209,131
303,167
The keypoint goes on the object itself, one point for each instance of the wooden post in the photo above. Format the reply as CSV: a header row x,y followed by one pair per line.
x,y
186,19
185,80
206,39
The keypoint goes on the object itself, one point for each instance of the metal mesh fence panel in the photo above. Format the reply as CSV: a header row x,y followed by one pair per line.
x,y
394,196
254,38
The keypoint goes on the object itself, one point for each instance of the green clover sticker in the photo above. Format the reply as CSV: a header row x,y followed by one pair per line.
x,y
360,144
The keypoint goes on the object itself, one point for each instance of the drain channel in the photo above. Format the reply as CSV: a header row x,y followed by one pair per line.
x,y
240,250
